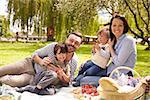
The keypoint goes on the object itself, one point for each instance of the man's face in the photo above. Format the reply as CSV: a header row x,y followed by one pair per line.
x,y
73,41
70,49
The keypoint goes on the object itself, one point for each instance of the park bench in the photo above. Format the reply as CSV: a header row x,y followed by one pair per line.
x,y
89,39
32,38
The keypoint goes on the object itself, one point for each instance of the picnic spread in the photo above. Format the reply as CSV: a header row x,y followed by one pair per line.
x,y
117,86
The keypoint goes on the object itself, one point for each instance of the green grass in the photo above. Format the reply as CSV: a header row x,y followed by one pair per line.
x,y
143,61
12,52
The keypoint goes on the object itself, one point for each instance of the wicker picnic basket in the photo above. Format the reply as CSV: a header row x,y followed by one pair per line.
x,y
111,89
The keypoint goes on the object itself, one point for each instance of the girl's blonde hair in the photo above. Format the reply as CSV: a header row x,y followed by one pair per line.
x,y
106,30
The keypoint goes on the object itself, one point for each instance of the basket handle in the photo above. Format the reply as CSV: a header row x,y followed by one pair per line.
x,y
124,67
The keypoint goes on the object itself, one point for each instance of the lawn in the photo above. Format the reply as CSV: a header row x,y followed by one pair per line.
x,y
12,52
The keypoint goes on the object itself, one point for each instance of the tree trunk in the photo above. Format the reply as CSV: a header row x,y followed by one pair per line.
x,y
148,48
144,39
148,42
50,33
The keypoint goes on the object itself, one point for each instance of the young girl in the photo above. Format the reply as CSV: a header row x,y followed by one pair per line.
x,y
58,74
97,65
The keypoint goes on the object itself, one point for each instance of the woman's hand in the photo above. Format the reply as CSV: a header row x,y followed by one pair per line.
x,y
111,43
112,51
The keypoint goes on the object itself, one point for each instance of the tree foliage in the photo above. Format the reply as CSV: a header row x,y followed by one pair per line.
x,y
60,17
136,11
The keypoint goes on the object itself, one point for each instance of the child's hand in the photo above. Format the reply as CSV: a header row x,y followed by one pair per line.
x,y
95,48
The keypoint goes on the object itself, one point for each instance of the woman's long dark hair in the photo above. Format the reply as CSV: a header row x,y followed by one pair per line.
x,y
125,24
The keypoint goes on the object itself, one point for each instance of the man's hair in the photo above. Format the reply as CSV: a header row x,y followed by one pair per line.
x,y
76,34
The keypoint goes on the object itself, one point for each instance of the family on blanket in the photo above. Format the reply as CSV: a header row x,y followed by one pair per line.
x,y
23,72
54,65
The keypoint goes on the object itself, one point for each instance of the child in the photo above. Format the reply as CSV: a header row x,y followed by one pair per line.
x,y
97,65
58,74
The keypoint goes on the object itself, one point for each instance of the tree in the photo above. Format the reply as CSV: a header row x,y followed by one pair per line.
x,y
140,10
20,9
59,16
136,11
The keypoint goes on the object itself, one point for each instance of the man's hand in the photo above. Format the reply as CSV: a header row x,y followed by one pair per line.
x,y
60,74
45,61
52,67
63,76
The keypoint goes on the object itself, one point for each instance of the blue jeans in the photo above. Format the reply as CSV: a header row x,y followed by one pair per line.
x,y
90,79
90,69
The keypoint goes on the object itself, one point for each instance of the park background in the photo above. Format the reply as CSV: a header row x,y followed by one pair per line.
x,y
32,24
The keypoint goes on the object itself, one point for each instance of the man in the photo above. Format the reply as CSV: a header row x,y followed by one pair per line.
x,y
21,73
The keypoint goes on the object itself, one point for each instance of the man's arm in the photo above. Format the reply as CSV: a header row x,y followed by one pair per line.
x,y
42,56
52,67
60,73
43,62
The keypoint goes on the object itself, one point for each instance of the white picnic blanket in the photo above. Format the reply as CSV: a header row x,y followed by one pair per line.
x,y
65,93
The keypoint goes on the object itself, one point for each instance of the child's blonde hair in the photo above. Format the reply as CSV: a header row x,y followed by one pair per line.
x,y
106,30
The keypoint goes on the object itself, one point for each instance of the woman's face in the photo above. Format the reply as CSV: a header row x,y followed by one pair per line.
x,y
60,56
117,27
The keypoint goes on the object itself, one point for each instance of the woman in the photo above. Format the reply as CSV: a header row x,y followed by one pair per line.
x,y
122,48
